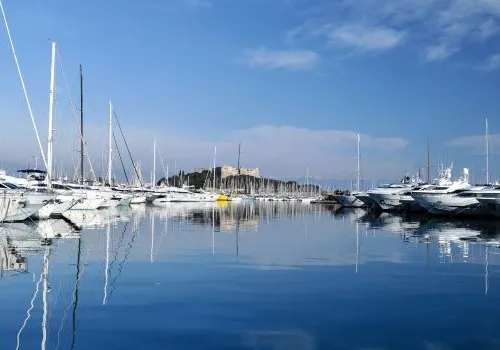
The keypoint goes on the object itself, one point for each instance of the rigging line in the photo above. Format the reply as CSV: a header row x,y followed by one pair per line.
x,y
23,85
163,166
73,108
118,246
75,295
209,173
128,150
121,160
120,264
28,313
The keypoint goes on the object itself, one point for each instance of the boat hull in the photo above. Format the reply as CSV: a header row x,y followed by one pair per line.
x,y
388,202
349,200
369,202
56,208
447,204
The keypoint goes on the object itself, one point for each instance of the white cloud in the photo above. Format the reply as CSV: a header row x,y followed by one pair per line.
x,y
488,29
285,59
440,27
476,143
467,141
367,38
279,151
491,63
439,52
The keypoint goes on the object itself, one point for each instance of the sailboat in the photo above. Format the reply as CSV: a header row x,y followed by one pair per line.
x,y
18,204
347,198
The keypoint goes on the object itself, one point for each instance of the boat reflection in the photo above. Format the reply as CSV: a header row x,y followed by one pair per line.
x,y
450,236
351,214
119,238
17,240
97,219
245,215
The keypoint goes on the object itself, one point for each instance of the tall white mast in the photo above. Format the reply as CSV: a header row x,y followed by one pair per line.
x,y
215,153
487,154
307,181
51,117
154,163
110,146
358,175
23,85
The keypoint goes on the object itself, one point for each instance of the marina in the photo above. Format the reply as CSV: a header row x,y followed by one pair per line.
x,y
249,175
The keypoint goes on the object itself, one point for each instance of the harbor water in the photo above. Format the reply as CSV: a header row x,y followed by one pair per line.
x,y
267,276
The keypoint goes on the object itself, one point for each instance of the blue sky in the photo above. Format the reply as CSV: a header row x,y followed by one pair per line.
x,y
293,80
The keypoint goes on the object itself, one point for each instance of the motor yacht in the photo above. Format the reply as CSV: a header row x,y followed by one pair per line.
x,y
442,198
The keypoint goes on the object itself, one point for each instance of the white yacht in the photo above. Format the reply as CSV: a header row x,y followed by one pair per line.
x,y
368,201
33,184
388,196
463,202
437,199
349,199
15,205
408,203
443,180
89,199
490,201
185,194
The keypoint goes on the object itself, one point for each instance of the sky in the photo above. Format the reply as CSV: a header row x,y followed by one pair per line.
x,y
293,81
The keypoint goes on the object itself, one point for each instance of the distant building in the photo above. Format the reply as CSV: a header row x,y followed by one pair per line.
x,y
228,170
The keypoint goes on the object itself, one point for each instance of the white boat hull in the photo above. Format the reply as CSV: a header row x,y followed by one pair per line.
x,y
56,208
21,212
447,204
349,200
388,202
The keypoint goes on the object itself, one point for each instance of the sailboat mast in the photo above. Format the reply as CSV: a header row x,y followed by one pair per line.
x,y
428,163
487,154
154,163
359,167
215,153
51,117
81,125
110,147
239,155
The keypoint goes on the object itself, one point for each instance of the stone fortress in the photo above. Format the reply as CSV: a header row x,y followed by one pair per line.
x,y
229,170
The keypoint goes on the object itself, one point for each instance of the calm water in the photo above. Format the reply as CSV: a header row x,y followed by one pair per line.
x,y
269,276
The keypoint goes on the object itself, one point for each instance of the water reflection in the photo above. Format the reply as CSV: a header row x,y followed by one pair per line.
x,y
230,268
